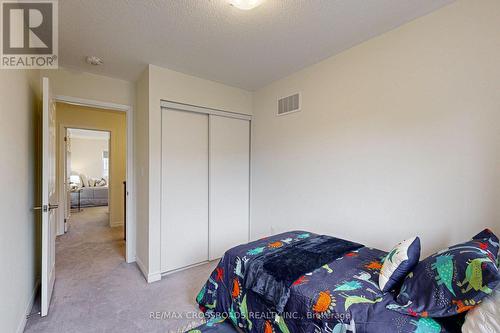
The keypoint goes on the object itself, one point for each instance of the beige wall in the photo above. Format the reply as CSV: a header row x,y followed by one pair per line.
x,y
157,84
98,119
19,226
398,136
86,156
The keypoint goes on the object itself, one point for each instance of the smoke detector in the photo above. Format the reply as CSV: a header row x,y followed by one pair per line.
x,y
93,60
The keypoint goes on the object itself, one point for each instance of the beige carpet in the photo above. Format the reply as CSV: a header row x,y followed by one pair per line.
x,y
96,291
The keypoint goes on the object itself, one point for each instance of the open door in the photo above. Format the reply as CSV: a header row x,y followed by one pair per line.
x,y
49,196
67,181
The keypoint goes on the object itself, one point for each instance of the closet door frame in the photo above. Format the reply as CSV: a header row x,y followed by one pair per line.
x,y
165,104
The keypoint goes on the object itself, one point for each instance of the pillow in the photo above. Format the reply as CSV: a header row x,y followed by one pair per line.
x,y
398,263
452,280
85,181
94,181
484,318
101,182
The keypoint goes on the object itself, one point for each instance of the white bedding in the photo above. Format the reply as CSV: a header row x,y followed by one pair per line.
x,y
484,318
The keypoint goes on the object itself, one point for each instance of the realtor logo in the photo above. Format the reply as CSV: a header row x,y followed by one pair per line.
x,y
29,34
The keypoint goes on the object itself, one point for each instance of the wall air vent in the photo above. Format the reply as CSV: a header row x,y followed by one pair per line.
x,y
289,104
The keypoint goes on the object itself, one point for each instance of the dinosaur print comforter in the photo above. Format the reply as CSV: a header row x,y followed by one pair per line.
x,y
341,296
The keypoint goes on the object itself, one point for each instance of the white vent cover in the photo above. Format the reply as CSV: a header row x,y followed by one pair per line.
x,y
289,104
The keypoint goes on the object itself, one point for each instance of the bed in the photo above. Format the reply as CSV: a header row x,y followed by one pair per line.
x,y
341,296
90,196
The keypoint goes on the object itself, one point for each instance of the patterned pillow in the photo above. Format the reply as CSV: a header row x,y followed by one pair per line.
x,y
398,263
452,280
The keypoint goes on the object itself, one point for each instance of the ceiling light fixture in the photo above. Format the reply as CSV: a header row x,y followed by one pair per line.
x,y
245,4
93,60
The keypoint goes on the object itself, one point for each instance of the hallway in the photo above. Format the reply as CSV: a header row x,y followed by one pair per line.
x,y
96,291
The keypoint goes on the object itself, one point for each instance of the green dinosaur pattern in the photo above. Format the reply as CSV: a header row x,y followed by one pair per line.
x,y
328,269
350,300
444,271
348,286
426,325
215,321
233,316
244,312
201,294
392,253
257,250
474,276
282,325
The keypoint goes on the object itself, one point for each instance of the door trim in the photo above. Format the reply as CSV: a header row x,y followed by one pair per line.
x,y
201,109
130,245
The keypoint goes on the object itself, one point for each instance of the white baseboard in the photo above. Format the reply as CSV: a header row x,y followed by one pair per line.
x,y
153,277
150,278
29,306
184,268
116,224
131,260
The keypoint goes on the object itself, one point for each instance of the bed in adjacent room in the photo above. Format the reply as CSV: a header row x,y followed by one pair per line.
x,y
89,192
90,197
252,291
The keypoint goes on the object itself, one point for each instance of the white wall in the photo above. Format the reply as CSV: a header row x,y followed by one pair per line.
x,y
398,136
86,156
19,231
141,165
68,82
157,84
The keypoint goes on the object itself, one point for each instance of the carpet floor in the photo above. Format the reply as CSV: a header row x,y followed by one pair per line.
x,y
97,291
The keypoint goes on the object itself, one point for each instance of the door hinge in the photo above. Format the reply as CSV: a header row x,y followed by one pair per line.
x,y
65,139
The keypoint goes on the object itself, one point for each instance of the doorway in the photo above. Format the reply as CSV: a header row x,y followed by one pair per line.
x,y
93,167
87,171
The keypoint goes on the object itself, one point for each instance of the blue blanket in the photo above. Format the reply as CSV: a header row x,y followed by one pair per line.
x,y
340,296
271,274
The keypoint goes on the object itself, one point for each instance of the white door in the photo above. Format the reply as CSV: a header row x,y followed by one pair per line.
x,y
49,199
229,183
67,177
184,210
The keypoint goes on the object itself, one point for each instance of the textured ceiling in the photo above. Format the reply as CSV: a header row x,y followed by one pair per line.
x,y
213,40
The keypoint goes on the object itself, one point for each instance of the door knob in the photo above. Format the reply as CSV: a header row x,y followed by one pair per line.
x,y
43,208
53,207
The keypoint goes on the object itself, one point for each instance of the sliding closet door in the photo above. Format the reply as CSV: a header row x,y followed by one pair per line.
x,y
184,210
229,183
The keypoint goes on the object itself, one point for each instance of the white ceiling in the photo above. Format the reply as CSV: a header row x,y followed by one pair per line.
x,y
213,40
